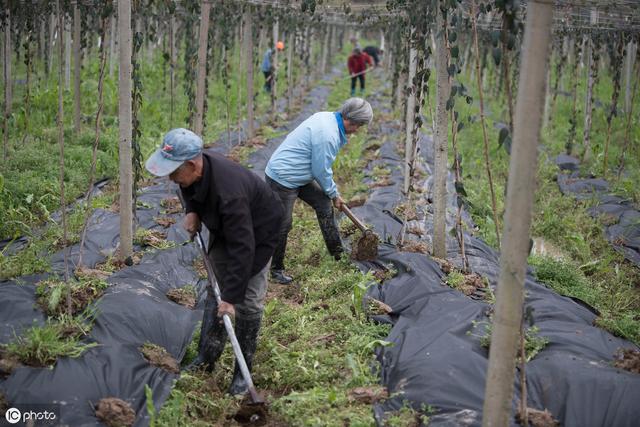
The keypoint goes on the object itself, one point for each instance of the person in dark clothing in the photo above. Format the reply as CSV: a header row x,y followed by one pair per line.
x,y
374,53
358,64
243,216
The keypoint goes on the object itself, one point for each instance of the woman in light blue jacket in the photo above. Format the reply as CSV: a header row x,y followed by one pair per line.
x,y
302,167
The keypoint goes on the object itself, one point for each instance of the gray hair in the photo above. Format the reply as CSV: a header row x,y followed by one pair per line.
x,y
357,111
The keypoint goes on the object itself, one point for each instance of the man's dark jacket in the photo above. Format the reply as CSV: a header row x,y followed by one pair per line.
x,y
243,216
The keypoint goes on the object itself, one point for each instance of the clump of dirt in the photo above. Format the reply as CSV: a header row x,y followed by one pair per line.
x,y
376,307
159,357
472,282
608,219
114,263
84,273
415,247
357,200
171,205
251,413
314,259
365,248
198,265
410,212
256,141
628,359
620,241
185,296
368,395
374,146
8,363
446,266
153,238
115,412
416,230
4,405
537,418
165,221
384,181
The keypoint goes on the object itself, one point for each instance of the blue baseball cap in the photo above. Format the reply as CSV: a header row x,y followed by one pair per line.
x,y
178,145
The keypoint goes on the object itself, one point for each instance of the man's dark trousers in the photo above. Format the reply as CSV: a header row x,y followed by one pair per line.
x,y
313,195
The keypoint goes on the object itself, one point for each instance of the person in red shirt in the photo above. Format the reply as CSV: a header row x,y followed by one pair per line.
x,y
359,63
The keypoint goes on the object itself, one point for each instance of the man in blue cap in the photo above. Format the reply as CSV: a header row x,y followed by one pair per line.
x,y
243,216
301,167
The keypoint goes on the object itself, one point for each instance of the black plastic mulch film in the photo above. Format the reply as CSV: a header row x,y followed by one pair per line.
x,y
432,360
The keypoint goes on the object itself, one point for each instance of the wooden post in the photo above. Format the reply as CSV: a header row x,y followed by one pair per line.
x,y
76,67
112,44
248,43
274,76
125,131
588,109
520,195
172,67
67,54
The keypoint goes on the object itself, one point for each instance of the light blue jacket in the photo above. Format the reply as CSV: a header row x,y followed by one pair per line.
x,y
266,61
308,153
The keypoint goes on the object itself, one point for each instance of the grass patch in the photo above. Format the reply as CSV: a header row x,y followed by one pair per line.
x,y
41,346
617,302
533,343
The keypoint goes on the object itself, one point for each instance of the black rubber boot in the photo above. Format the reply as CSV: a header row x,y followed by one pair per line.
x,y
331,235
247,334
213,337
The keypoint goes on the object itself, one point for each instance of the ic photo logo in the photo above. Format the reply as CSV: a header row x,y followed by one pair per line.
x,y
43,415
13,415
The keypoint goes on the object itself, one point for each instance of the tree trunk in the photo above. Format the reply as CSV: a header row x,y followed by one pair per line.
x,y
52,35
61,144
248,43
239,81
202,64
112,44
410,114
487,161
520,194
588,109
630,59
7,84
547,101
440,140
67,55
124,117
290,48
274,76
76,67
325,53
629,121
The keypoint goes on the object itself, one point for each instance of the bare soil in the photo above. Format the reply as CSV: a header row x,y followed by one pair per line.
x,y
357,200
628,359
252,414
115,412
159,357
183,296
91,273
314,259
